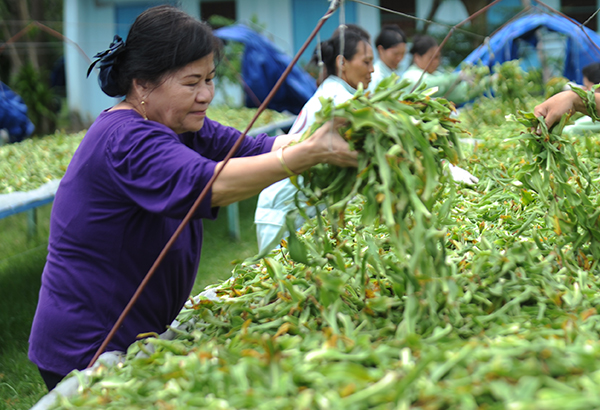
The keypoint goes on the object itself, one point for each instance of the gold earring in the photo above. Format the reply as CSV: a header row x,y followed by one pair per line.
x,y
143,104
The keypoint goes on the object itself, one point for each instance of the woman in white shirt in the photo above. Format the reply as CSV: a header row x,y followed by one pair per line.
x,y
424,69
352,67
391,47
313,64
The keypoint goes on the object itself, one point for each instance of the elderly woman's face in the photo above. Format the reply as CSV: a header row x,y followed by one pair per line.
x,y
181,100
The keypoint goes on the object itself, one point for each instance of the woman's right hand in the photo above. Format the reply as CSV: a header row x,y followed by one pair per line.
x,y
554,107
330,147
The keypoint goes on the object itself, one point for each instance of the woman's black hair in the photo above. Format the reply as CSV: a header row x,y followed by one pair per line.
x,y
314,59
355,28
161,40
592,72
422,44
390,36
330,49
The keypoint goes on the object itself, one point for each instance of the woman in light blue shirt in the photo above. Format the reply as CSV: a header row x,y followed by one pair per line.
x,y
424,69
391,48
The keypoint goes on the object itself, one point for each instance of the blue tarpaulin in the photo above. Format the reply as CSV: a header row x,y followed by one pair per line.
x,y
13,115
262,65
582,46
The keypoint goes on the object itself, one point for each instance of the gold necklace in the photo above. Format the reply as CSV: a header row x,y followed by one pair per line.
x,y
133,107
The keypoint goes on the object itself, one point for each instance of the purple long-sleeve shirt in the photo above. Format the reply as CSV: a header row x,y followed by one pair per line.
x,y
127,189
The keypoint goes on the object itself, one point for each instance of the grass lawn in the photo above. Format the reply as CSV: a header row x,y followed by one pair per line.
x,y
21,265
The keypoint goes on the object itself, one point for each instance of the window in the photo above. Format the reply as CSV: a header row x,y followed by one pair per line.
x,y
408,25
581,10
225,9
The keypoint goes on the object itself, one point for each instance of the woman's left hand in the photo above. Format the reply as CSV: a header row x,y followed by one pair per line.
x,y
330,147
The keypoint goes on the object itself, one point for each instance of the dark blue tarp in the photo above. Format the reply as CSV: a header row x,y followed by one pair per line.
x,y
262,65
13,115
503,46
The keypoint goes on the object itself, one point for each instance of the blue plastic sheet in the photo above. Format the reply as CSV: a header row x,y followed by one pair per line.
x,y
262,65
13,115
582,47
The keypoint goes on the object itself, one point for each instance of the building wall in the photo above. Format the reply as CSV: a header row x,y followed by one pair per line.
x,y
91,24
449,12
452,12
368,17
92,35
275,15
279,21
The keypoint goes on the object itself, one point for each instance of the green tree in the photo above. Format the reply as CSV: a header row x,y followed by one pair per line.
x,y
41,48
30,31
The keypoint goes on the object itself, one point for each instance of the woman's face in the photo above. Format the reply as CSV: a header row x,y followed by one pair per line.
x,y
359,68
393,55
421,61
181,100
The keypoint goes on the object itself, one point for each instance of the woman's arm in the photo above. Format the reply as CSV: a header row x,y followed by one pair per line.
x,y
247,176
443,81
283,140
557,105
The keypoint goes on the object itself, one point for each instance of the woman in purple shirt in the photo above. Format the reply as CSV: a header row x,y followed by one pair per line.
x,y
136,174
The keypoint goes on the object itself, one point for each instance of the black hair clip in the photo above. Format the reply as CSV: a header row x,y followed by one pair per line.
x,y
107,60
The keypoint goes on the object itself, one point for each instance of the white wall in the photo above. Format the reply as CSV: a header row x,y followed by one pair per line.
x,y
449,12
90,24
368,17
276,15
